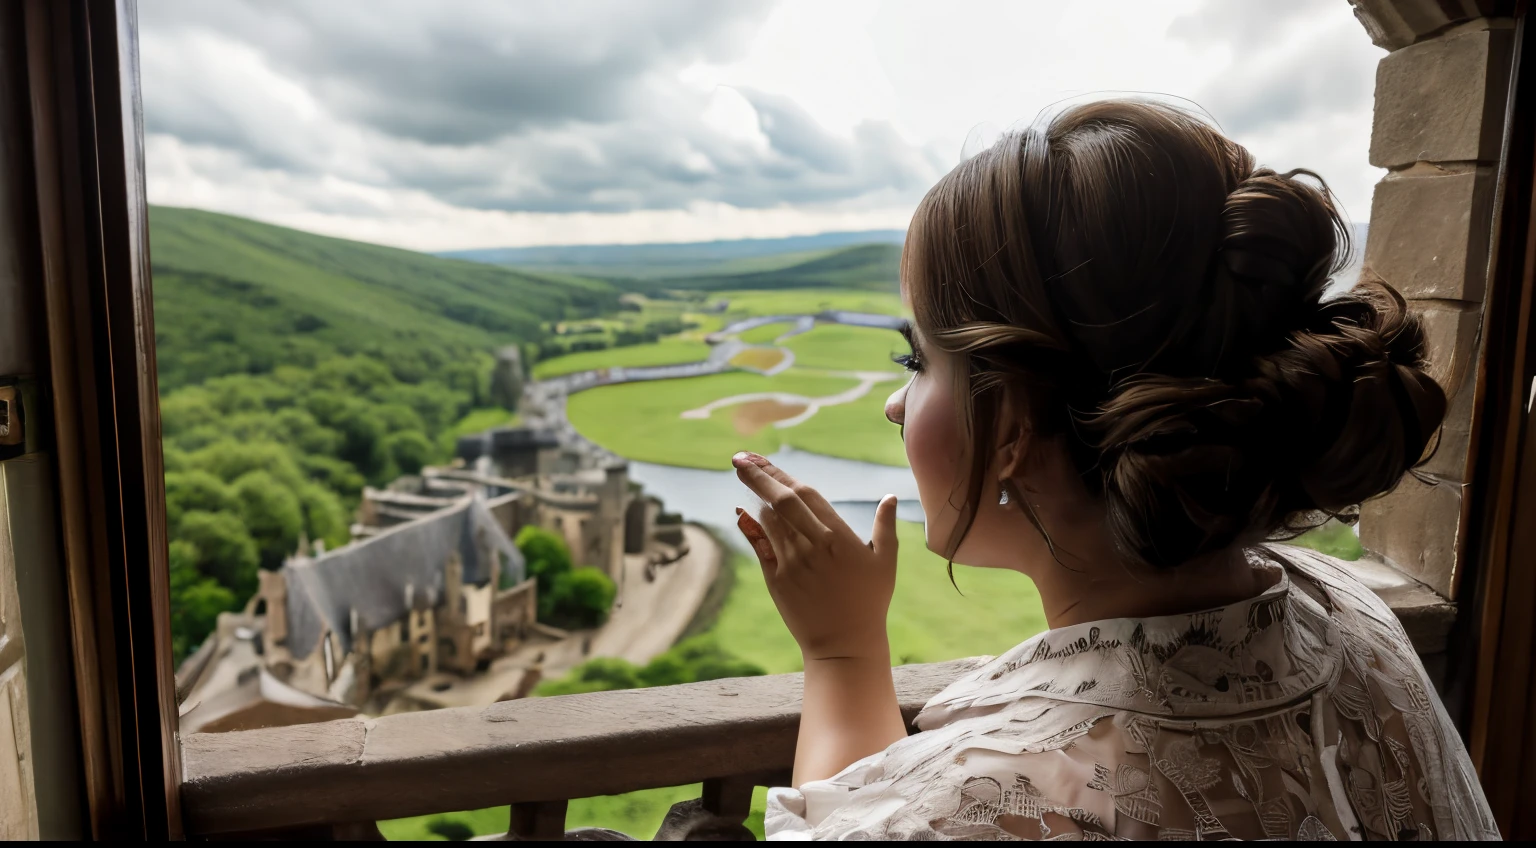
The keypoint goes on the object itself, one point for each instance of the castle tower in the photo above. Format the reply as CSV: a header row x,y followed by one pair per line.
x,y
272,601
612,498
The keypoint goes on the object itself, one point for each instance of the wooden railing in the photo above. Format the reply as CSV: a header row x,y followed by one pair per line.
x,y
335,779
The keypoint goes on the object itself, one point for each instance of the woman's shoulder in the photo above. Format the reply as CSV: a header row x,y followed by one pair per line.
x,y
1341,586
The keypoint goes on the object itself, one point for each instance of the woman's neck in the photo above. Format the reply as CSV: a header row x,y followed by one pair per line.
x,y
1080,589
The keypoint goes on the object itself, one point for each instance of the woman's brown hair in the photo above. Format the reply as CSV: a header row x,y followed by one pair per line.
x,y
1130,279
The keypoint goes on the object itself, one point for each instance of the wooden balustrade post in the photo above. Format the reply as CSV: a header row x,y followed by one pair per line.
x,y
538,820
717,816
729,797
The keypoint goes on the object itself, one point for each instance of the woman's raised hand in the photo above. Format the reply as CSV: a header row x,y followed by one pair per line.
x,y
832,590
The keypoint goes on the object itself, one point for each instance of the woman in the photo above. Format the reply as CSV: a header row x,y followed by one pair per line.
x,y
1126,378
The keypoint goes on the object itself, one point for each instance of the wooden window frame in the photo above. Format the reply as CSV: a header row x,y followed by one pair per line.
x,y
88,224
1495,638
91,262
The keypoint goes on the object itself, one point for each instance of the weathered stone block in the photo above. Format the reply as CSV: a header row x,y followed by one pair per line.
x,y
1429,232
1398,23
1416,527
1451,328
1442,100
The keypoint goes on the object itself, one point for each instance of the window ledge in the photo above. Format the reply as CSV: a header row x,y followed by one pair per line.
x,y
1426,615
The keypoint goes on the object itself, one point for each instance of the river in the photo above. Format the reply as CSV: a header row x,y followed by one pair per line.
x,y
853,487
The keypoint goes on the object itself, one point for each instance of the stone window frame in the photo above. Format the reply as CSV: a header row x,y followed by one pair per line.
x,y
1441,94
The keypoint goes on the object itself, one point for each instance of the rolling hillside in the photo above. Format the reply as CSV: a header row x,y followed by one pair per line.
x,y
656,261
865,266
237,296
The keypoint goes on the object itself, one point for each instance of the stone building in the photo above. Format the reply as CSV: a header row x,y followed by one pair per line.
x,y
445,590
432,582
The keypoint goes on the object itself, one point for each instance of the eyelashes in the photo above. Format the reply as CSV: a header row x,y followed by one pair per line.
x,y
911,361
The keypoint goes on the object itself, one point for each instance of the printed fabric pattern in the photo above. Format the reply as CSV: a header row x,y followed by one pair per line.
x,y
1303,714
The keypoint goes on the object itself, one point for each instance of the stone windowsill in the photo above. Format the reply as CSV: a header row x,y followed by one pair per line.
x,y
1425,614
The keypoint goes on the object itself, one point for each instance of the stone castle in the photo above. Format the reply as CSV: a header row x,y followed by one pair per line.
x,y
431,583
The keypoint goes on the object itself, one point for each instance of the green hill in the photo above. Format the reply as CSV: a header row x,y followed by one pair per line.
x,y
675,259
237,296
862,266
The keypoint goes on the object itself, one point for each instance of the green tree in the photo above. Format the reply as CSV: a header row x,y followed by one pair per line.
x,y
438,405
189,490
182,410
272,513
299,428
196,600
338,475
409,450
397,417
546,555
706,660
668,669
225,550
361,432
600,674
324,516
229,460
689,661
580,598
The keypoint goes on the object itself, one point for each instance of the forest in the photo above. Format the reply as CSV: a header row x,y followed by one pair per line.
x,y
296,369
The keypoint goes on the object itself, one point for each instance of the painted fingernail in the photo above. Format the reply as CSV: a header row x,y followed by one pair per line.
x,y
741,458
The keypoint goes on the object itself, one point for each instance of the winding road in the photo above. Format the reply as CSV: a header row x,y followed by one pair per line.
x,y
544,400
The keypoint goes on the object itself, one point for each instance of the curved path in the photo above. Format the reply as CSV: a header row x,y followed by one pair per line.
x,y
544,400
867,381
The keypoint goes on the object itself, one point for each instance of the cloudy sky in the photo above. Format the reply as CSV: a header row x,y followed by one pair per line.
x,y
439,125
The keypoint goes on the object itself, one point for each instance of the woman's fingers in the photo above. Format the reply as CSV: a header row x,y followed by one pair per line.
x,y
785,501
788,544
882,537
757,537
813,499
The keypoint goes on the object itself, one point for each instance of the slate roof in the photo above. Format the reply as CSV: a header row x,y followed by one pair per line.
x,y
371,576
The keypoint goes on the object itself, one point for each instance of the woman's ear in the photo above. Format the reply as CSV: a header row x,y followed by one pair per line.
x,y
1013,446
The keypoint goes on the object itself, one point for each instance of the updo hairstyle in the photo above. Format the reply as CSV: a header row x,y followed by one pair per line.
x,y
1132,282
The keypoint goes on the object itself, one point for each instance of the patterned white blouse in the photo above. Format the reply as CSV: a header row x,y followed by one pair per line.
x,y
1303,713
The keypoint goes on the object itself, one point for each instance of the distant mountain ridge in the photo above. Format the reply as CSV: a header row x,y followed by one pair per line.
x,y
655,260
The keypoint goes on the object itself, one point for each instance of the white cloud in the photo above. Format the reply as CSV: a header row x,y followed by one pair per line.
x,y
473,124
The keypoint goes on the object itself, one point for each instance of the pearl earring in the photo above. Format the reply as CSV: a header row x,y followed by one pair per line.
x,y
1002,499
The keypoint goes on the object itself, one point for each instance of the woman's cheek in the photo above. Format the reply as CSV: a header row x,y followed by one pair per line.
x,y
932,434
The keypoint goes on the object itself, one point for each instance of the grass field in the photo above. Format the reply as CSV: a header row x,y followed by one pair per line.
x,y
765,333
641,420
855,430
744,304
843,348
761,358
668,351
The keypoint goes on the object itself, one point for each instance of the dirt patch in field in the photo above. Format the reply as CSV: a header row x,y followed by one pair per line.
x,y
761,358
755,415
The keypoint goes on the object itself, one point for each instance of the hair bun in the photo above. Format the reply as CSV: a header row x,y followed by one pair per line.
x,y
1334,416
1281,242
